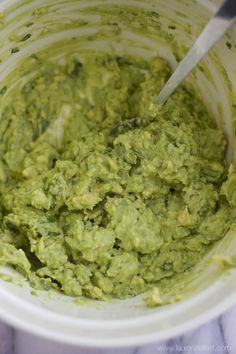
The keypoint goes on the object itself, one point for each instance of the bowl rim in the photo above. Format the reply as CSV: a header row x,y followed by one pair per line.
x,y
30,317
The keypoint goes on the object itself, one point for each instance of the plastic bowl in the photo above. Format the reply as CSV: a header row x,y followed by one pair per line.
x,y
126,322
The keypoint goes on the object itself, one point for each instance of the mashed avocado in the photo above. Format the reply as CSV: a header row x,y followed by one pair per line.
x,y
102,193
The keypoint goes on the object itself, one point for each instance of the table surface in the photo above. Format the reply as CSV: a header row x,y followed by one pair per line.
x,y
218,336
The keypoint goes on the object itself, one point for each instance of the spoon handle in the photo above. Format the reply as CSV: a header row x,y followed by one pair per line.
x,y
213,31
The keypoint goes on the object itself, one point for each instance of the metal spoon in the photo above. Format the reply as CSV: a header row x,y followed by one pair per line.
x,y
214,30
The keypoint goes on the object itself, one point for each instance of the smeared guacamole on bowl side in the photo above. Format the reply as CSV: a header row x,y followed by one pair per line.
x,y
102,193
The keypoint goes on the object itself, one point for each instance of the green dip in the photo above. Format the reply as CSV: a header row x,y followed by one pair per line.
x,y
102,193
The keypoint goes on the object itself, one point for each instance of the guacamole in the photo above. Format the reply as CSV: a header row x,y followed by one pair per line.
x,y
103,193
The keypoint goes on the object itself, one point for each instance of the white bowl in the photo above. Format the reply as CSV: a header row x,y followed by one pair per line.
x,y
128,322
